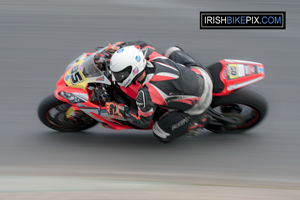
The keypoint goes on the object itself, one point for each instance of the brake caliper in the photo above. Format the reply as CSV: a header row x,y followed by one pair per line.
x,y
72,113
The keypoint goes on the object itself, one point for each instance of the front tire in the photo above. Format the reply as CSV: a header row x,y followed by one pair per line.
x,y
247,107
52,113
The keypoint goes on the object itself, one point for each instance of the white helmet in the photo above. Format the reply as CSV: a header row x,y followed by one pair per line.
x,y
126,64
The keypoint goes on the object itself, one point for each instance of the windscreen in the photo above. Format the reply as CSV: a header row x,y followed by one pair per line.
x,y
88,67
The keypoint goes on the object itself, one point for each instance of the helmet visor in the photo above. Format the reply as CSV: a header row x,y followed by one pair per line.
x,y
122,75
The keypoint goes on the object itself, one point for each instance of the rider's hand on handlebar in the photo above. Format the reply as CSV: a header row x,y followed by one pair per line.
x,y
99,60
115,109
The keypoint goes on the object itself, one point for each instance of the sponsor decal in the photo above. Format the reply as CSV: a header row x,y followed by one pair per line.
x,y
126,84
67,77
180,123
138,58
81,67
241,70
247,69
120,50
232,71
250,69
262,70
135,71
99,79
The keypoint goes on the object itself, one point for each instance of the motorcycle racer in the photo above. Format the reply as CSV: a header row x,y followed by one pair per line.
x,y
174,81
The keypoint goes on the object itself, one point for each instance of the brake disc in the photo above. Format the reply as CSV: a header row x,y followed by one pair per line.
x,y
238,118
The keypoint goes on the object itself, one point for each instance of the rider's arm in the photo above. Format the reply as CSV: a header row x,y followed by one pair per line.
x,y
142,116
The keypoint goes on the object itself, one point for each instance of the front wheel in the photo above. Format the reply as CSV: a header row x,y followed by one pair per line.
x,y
52,113
244,106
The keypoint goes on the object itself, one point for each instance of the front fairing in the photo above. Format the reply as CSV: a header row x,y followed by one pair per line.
x,y
92,108
72,86
73,89
84,71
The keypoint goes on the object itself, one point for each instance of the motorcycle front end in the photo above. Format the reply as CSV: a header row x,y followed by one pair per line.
x,y
79,100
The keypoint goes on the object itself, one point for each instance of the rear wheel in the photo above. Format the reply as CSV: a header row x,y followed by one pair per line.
x,y
52,113
245,106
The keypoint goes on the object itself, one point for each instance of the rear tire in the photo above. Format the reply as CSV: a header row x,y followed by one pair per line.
x,y
51,112
253,109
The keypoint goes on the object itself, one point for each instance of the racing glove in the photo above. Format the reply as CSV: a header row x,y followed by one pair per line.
x,y
114,108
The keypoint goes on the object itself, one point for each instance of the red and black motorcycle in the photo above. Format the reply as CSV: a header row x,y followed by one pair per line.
x,y
78,102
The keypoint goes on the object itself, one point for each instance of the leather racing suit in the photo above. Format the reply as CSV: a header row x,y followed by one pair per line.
x,y
174,81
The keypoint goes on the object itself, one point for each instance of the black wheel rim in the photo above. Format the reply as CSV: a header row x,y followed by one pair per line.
x,y
56,116
245,117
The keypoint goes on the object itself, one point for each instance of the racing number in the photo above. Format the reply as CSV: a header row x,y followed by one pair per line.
x,y
76,76
233,71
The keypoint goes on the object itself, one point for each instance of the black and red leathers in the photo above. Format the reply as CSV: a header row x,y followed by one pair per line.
x,y
182,87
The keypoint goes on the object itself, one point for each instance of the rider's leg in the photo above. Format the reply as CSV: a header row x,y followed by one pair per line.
x,y
178,55
176,123
171,125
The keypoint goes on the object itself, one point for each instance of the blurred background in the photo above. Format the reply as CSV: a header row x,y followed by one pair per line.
x,y
39,38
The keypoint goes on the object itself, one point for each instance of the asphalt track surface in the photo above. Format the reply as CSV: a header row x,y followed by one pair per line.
x,y
39,38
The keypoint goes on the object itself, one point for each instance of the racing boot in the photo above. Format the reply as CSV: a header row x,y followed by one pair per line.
x,y
197,124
